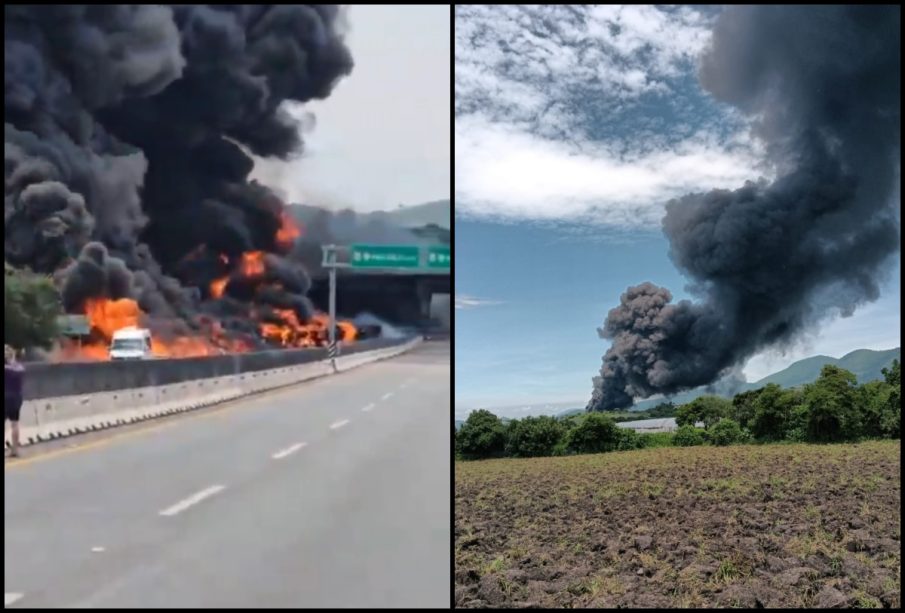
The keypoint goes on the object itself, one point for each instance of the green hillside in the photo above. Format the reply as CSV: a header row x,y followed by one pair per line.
x,y
866,364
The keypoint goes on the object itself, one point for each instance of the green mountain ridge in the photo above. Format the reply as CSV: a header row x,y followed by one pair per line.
x,y
866,364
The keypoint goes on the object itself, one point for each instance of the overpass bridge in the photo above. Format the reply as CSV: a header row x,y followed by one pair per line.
x,y
406,296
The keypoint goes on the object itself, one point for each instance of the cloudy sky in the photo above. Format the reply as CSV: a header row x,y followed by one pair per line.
x,y
382,138
573,127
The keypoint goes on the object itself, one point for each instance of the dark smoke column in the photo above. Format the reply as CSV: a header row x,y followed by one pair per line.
x,y
769,261
123,133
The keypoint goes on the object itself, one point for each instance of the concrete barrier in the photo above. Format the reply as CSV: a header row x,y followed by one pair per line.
x,y
53,380
49,418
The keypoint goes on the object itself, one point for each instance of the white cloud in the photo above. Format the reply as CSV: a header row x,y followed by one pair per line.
x,y
548,124
470,302
387,120
508,172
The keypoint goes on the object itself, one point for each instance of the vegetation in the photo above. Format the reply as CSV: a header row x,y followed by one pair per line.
x,y
831,409
657,439
533,436
593,434
688,436
707,409
726,432
31,305
482,436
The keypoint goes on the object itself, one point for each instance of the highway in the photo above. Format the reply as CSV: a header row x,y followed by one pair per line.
x,y
331,493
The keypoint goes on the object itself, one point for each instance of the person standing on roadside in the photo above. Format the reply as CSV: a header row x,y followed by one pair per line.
x,y
14,375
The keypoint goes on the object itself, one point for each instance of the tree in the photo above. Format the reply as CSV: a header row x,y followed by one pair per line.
x,y
482,435
534,436
893,374
772,411
31,307
595,433
892,416
743,406
831,404
726,432
664,409
707,409
688,436
874,402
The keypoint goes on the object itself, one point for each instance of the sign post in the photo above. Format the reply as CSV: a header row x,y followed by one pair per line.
x,y
330,261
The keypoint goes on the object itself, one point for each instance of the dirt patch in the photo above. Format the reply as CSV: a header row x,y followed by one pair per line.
x,y
747,526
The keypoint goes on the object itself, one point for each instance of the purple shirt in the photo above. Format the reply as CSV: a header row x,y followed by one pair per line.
x,y
14,374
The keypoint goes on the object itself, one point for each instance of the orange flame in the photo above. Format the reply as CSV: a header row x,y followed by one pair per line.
x,y
107,316
217,286
292,333
252,263
348,330
288,232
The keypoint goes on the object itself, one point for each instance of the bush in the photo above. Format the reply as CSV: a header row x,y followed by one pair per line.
x,y
595,433
481,436
688,436
31,307
629,439
657,439
726,432
534,436
561,448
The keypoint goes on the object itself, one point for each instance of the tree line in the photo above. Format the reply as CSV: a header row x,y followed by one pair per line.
x,y
833,408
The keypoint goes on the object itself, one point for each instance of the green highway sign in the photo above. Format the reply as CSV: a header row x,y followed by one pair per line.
x,y
438,257
383,256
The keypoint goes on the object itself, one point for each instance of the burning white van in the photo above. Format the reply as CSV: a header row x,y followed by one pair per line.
x,y
131,344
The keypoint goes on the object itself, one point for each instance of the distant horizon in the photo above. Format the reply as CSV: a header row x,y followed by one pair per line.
x,y
558,406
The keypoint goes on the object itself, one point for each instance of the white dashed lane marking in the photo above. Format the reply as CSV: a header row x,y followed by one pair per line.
x,y
181,506
339,424
285,452
387,395
368,408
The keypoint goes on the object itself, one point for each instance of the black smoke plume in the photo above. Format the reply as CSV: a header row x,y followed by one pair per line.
x,y
768,261
126,130
346,227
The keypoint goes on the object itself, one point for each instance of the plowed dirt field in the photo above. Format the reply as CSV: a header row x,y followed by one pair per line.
x,y
745,526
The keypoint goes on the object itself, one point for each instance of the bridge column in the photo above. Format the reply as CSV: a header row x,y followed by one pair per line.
x,y
424,301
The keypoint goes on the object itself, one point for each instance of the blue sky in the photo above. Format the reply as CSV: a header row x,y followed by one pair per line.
x,y
574,126
530,297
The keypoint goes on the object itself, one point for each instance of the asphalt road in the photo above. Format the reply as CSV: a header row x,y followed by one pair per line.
x,y
332,493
